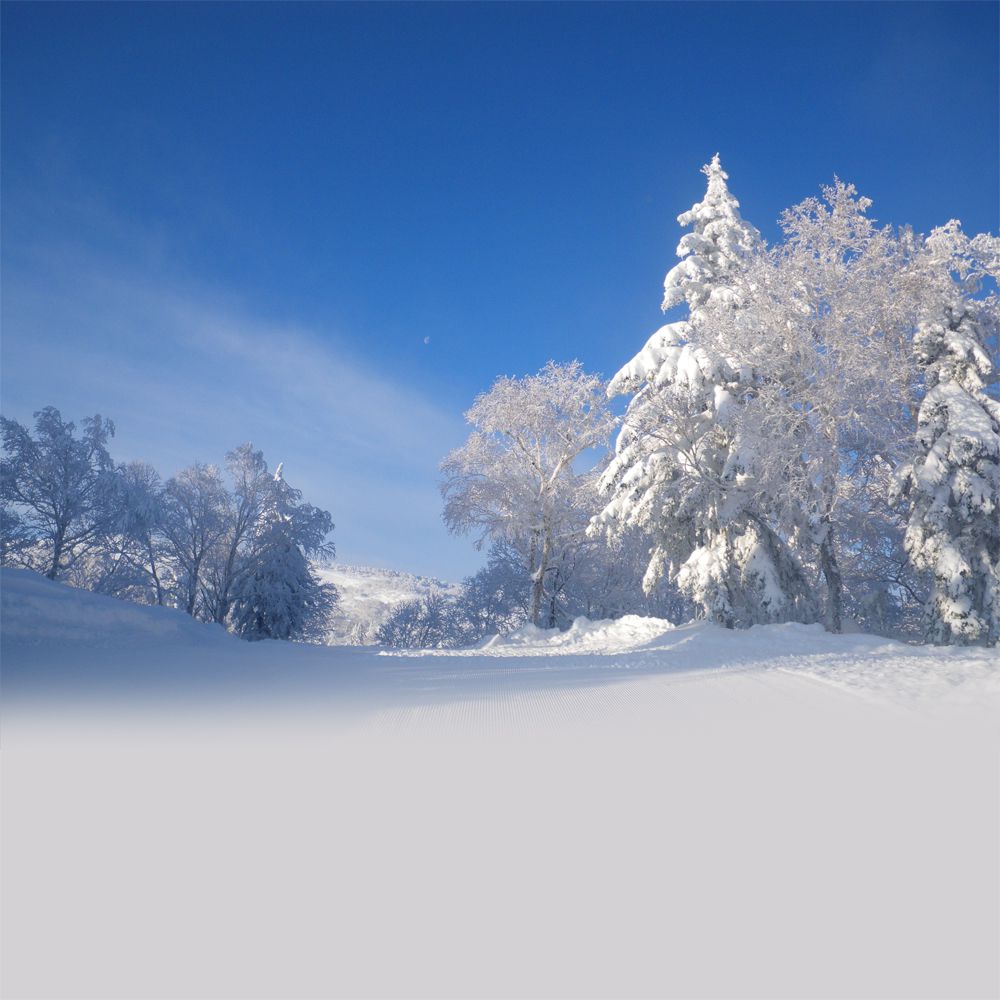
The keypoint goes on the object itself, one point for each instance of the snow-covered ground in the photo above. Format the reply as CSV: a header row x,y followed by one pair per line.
x,y
368,595
623,809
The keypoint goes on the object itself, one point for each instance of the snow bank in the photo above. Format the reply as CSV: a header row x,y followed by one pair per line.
x,y
865,665
35,610
598,637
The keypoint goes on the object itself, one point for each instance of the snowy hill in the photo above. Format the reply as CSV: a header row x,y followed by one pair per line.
x,y
622,809
368,595
38,612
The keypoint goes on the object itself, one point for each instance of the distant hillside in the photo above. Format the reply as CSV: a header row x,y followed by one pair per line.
x,y
367,595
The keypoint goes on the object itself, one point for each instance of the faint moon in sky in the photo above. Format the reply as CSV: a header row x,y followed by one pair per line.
x,y
427,340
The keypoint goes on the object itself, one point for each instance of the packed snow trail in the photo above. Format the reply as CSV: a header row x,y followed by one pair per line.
x,y
651,811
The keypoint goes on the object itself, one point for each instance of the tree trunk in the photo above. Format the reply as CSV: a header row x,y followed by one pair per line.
x,y
193,587
155,575
538,584
57,549
834,581
536,597
221,610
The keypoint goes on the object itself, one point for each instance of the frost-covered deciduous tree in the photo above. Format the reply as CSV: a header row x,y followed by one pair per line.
x,y
129,560
606,581
66,509
825,322
56,487
276,594
140,521
686,469
953,483
883,591
16,538
596,580
496,600
429,622
196,510
493,601
513,480
253,494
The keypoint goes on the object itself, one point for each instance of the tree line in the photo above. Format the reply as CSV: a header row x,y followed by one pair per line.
x,y
230,546
815,438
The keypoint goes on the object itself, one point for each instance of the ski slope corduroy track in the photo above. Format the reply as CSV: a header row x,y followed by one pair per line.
x,y
622,809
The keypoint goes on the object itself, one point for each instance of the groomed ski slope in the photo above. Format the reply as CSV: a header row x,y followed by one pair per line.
x,y
624,809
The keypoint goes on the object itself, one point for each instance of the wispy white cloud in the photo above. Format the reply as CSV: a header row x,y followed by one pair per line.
x,y
187,373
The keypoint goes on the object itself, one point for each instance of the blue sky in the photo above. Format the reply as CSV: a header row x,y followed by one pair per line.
x,y
231,222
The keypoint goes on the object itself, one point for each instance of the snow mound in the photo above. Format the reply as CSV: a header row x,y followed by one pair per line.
x,y
35,610
605,637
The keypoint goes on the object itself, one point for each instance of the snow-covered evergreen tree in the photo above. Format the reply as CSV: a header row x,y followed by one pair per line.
x,y
828,322
277,595
713,252
684,469
953,484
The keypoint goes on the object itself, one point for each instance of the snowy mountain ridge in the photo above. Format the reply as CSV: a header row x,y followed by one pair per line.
x,y
368,594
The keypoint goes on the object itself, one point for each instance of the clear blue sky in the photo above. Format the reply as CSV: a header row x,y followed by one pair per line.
x,y
242,221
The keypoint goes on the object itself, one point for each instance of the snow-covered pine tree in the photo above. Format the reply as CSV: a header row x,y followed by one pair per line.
x,y
278,596
954,483
713,251
683,469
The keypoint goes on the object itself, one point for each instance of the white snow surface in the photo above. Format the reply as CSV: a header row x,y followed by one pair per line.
x,y
896,672
623,809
